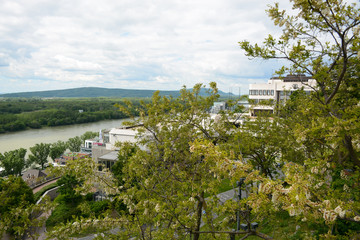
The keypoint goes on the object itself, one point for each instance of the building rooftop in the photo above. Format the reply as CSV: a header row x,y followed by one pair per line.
x,y
112,156
294,78
123,131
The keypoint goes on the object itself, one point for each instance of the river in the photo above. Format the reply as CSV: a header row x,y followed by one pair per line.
x,y
28,138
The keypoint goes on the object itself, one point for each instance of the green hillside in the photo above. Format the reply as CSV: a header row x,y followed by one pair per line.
x,y
95,92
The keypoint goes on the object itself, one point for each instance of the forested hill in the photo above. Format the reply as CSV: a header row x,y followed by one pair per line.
x,y
97,92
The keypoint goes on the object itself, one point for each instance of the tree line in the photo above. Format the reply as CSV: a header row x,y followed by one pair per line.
x,y
14,162
21,113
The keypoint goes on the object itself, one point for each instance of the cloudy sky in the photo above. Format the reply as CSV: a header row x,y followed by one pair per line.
x,y
132,44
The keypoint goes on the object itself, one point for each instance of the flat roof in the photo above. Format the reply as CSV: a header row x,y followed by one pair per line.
x,y
112,156
122,131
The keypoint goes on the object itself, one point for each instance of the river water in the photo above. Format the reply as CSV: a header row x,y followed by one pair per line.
x,y
28,138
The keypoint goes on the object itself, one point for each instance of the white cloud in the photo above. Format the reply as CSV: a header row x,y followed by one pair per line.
x,y
138,44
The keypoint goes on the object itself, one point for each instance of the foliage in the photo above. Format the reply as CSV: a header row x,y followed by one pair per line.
x,y
14,193
164,186
62,213
322,129
21,113
39,154
89,135
127,150
13,162
17,209
67,185
74,144
56,149
258,142
99,207
322,40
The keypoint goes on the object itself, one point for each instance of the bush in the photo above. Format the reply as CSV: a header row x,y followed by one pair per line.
x,y
99,207
62,214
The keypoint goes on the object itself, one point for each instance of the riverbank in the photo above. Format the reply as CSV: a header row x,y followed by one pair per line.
x,y
28,138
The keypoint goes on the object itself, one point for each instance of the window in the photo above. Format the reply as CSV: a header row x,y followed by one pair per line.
x,y
256,92
267,92
264,92
260,92
272,92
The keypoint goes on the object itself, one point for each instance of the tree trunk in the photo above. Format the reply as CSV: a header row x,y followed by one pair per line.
x,y
352,154
199,215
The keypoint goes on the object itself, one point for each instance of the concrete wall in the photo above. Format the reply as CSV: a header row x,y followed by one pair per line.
x,y
52,193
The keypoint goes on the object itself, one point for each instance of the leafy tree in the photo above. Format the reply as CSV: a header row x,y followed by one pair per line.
x,y
165,186
74,144
127,150
89,135
322,40
13,162
258,142
14,192
39,154
67,185
18,209
56,149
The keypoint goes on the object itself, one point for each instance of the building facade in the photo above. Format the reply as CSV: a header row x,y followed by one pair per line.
x,y
263,96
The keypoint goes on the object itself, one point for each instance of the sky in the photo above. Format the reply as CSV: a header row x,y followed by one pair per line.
x,y
132,44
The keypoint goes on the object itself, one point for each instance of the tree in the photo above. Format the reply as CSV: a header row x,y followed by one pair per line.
x,y
170,188
258,142
127,150
14,193
13,162
39,154
67,185
89,135
56,149
74,144
322,40
18,209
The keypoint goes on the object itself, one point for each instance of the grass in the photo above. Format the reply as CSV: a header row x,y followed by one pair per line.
x,y
283,227
43,190
225,186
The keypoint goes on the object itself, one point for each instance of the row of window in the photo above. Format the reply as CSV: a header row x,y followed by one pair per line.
x,y
262,92
261,101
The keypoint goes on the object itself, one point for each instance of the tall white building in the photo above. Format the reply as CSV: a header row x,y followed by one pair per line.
x,y
277,90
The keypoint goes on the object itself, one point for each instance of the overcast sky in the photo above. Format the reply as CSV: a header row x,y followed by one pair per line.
x,y
132,44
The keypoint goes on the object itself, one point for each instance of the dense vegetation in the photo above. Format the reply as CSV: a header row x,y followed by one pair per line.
x,y
21,113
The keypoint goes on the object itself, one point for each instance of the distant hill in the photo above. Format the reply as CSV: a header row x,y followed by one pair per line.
x,y
97,92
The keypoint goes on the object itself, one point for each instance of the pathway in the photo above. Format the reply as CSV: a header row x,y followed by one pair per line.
x,y
35,190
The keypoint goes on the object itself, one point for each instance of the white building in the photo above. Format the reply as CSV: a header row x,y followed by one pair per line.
x,y
120,135
277,90
107,152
